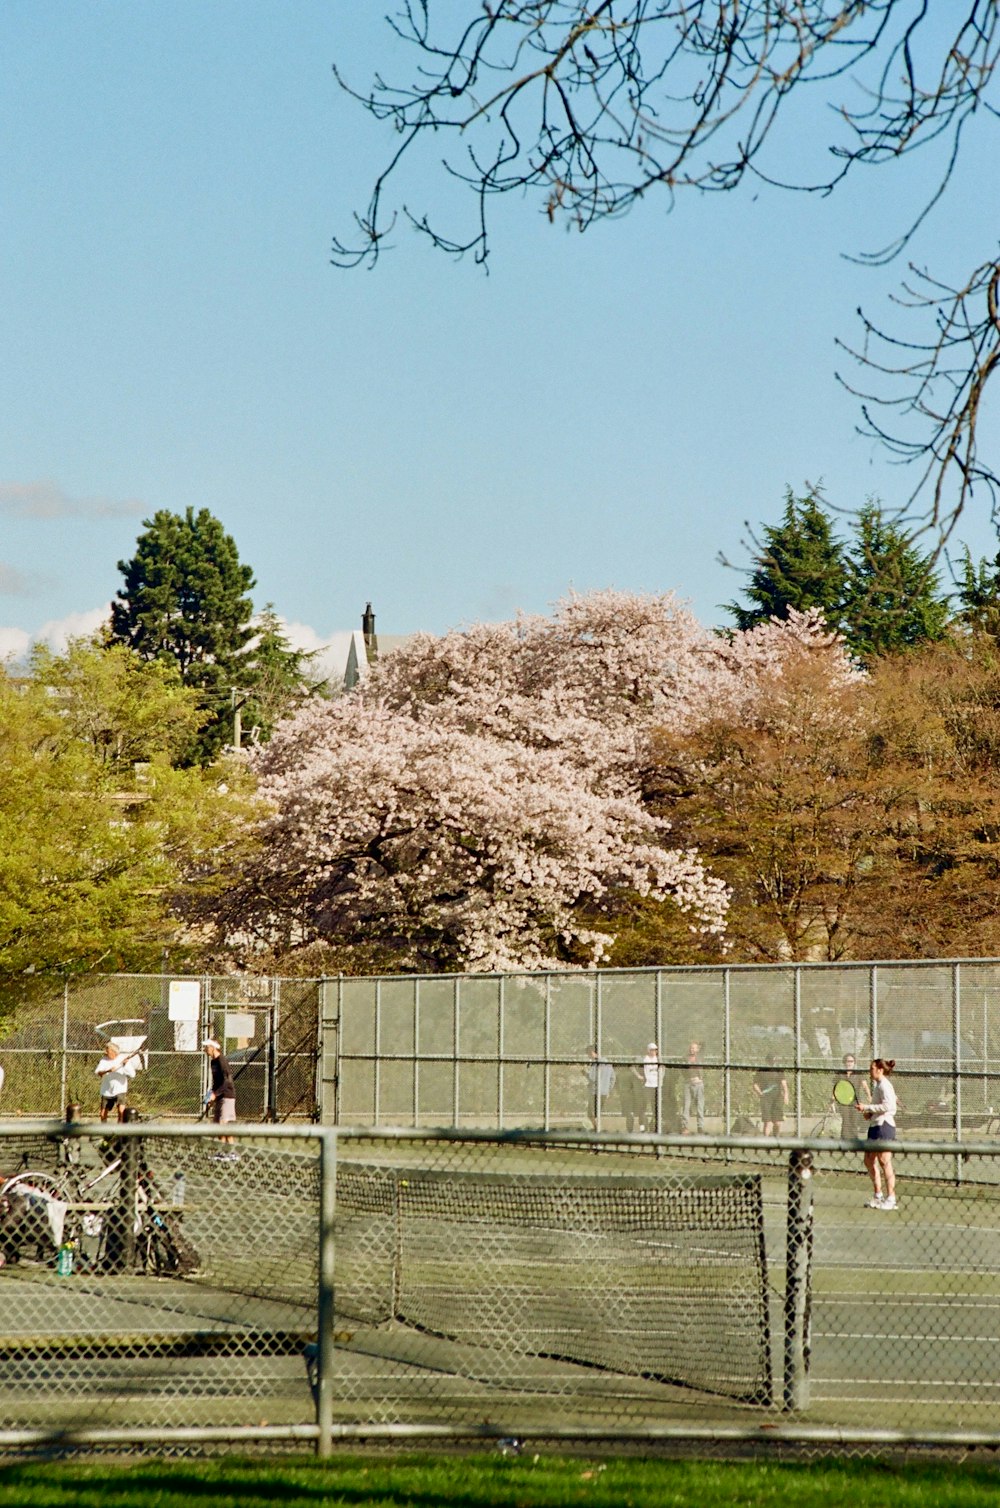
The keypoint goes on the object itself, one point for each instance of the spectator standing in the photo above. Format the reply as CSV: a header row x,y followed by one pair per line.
x,y
771,1089
221,1098
652,1078
630,1090
600,1082
694,1090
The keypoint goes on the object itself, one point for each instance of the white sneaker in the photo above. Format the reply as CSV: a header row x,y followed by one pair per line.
x,y
888,1204
875,1202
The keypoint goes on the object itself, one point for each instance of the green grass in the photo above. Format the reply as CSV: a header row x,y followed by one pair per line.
x,y
528,1481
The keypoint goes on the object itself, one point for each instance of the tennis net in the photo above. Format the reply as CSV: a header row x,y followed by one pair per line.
x,y
658,1278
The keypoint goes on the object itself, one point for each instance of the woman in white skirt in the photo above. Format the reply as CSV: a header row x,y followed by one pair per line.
x,y
881,1115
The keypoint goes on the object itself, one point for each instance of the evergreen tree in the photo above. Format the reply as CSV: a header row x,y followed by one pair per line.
x,y
800,565
185,601
978,591
892,595
278,680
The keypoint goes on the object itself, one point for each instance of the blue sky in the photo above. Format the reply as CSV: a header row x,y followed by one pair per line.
x,y
601,410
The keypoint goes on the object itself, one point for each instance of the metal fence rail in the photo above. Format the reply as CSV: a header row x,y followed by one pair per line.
x,y
324,1285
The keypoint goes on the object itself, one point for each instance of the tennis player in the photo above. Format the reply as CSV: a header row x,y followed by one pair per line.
x,y
881,1116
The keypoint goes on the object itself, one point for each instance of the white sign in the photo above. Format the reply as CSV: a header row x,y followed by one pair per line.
x,y
240,1024
184,1000
185,1036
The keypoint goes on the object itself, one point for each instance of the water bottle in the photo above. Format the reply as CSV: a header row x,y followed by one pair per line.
x,y
64,1259
177,1194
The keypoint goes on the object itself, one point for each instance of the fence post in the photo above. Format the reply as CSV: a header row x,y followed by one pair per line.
x,y
956,1064
64,1060
325,1298
798,1265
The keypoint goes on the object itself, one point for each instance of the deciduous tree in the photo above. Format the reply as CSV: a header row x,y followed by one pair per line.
x,y
476,803
100,835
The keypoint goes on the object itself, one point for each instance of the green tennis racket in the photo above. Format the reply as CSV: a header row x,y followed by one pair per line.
x,y
844,1092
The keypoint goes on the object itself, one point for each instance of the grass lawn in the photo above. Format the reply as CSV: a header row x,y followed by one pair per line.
x,y
484,1481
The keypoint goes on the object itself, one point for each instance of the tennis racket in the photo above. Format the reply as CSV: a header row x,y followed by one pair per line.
x,y
844,1092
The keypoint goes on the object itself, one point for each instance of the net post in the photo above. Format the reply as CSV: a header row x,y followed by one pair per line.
x,y
798,1261
325,1295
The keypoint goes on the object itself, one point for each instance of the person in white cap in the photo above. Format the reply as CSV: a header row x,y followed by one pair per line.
x,y
652,1078
221,1099
115,1070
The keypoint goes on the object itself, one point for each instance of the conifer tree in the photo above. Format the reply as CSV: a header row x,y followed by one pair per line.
x,y
892,597
800,565
279,677
185,600
978,591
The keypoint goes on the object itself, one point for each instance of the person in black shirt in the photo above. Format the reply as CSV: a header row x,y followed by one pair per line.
x,y
771,1089
222,1096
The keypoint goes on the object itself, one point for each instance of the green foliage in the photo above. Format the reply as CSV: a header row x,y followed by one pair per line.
x,y
891,599
123,708
278,678
799,565
185,602
101,834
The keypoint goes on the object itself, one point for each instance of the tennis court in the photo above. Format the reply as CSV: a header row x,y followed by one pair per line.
x,y
524,1287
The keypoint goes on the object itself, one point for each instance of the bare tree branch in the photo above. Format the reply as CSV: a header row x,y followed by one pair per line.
x,y
592,104
937,387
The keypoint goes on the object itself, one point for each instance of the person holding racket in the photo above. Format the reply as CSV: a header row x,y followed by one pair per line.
x,y
848,1090
115,1070
881,1115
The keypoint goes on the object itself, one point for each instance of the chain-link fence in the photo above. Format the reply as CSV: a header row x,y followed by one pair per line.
x,y
504,1051
164,1287
51,1044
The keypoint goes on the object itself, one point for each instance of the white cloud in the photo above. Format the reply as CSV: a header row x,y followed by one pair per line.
x,y
46,499
331,649
14,643
56,633
15,583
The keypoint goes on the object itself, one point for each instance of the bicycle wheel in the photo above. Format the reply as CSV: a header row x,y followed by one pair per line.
x,y
35,1216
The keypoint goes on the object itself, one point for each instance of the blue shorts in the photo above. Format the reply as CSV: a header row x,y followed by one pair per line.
x,y
884,1132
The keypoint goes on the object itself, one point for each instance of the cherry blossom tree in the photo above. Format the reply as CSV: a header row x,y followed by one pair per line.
x,y
500,797
477,803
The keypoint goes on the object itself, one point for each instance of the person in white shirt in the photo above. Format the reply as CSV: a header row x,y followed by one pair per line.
x,y
652,1078
114,1070
881,1116
600,1082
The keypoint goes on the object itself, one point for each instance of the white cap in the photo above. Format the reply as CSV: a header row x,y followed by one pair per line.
x,y
211,1042
652,1047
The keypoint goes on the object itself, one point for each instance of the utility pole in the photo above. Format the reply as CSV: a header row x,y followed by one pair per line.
x,y
239,700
